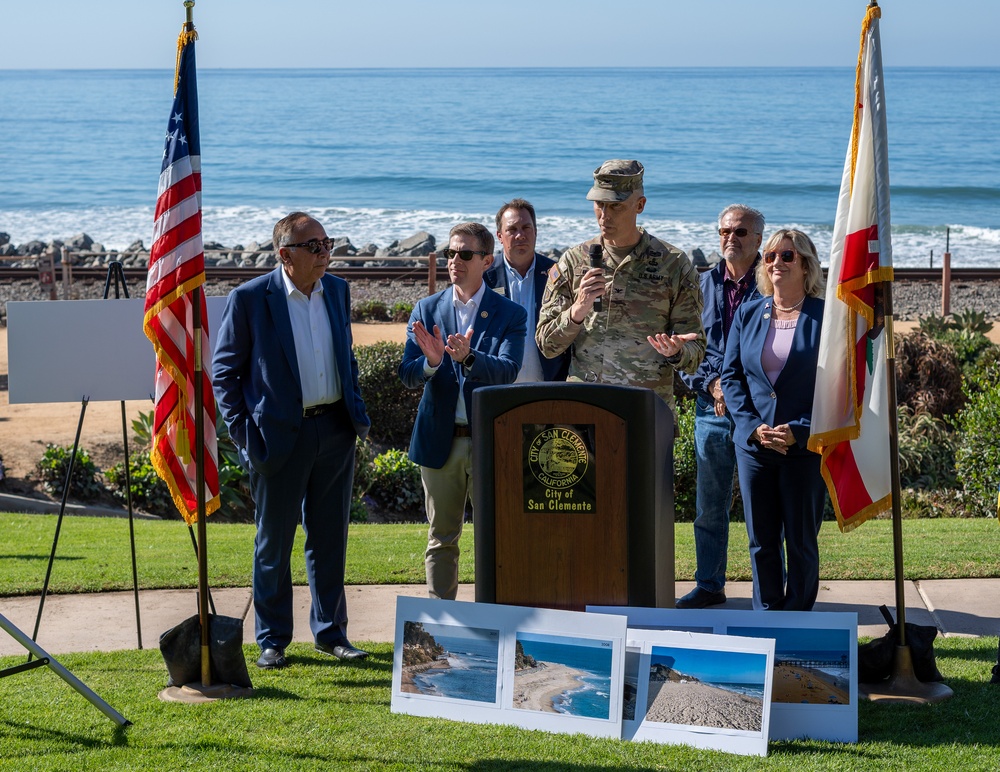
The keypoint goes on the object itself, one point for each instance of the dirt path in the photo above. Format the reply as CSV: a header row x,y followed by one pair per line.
x,y
25,429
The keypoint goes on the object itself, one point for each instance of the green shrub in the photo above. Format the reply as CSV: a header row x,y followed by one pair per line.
x,y
926,451
985,372
977,459
970,321
928,375
52,468
685,466
391,406
149,492
932,504
370,310
395,488
968,346
400,311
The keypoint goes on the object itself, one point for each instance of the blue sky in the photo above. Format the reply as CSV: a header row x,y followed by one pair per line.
x,y
71,34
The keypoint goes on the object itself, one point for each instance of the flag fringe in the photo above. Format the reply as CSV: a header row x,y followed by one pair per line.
x,y
847,288
166,474
186,36
874,509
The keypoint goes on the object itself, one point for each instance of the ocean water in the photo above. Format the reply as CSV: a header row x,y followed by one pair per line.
x,y
473,671
380,154
593,698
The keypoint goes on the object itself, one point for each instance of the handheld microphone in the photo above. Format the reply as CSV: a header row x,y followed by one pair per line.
x,y
595,254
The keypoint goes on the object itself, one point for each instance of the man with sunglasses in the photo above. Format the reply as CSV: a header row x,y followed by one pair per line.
x,y
286,382
457,340
649,322
520,274
724,287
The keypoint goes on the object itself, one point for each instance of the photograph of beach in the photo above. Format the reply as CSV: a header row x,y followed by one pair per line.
x,y
706,688
450,661
563,674
811,665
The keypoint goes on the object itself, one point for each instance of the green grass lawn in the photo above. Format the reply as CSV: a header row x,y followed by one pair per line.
x,y
319,715
93,553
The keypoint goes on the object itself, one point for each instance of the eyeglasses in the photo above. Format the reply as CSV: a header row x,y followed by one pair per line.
x,y
786,257
314,245
465,254
738,232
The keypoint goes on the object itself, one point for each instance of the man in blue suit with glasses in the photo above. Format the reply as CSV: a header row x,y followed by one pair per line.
x,y
457,340
286,381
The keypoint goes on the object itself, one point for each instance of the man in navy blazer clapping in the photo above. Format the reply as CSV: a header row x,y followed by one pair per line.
x,y
457,340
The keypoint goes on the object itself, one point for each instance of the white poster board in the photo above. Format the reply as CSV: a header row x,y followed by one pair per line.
x,y
815,662
707,691
68,350
559,671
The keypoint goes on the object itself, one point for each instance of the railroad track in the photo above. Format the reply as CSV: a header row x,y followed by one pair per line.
x,y
419,273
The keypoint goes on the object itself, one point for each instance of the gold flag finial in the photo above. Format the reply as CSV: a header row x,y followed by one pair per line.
x,y
188,35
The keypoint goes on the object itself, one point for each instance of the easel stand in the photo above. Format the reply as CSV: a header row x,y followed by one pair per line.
x,y
45,660
114,272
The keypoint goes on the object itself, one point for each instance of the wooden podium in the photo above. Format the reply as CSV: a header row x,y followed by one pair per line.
x,y
573,496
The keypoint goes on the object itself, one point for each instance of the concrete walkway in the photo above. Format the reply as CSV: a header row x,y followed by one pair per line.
x,y
106,621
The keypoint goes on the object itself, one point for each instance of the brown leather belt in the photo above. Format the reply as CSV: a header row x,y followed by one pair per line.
x,y
462,431
318,410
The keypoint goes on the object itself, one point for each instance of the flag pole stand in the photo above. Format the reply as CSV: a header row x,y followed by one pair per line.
x,y
903,686
203,691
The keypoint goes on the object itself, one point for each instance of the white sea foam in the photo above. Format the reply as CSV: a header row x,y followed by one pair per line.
x,y
118,227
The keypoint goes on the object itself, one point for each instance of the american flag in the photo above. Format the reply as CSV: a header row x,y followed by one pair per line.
x,y
176,268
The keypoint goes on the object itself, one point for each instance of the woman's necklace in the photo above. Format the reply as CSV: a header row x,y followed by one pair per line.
x,y
790,308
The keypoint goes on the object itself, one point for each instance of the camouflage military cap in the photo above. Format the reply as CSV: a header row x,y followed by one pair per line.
x,y
616,180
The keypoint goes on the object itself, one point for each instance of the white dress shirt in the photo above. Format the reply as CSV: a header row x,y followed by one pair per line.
x,y
522,292
465,317
313,344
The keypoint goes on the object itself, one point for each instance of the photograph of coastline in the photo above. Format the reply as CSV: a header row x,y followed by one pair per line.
x,y
568,675
450,661
811,665
706,687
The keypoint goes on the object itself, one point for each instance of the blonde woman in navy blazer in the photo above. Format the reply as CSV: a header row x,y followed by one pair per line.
x,y
768,376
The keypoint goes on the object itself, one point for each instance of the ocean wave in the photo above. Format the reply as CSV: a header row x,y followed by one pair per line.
x,y
118,227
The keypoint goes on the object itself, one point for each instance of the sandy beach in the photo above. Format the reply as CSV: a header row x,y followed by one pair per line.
x,y
796,684
535,688
407,684
698,704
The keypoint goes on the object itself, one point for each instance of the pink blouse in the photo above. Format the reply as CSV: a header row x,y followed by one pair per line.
x,y
777,344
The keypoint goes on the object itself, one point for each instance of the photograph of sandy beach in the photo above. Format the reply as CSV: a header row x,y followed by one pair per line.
x,y
450,661
811,665
562,674
706,688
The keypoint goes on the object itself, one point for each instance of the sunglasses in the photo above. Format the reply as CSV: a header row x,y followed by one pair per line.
x,y
786,257
738,232
465,254
314,245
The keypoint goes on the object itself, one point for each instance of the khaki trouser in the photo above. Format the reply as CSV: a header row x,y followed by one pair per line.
x,y
445,492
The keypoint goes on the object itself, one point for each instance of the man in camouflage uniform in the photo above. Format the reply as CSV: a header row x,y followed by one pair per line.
x,y
650,322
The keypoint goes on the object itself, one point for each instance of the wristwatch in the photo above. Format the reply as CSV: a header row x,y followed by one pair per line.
x,y
469,361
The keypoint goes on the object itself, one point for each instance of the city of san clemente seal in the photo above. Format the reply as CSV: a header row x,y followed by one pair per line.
x,y
558,458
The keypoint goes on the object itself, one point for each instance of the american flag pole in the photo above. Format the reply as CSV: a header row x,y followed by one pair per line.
x,y
184,446
199,444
